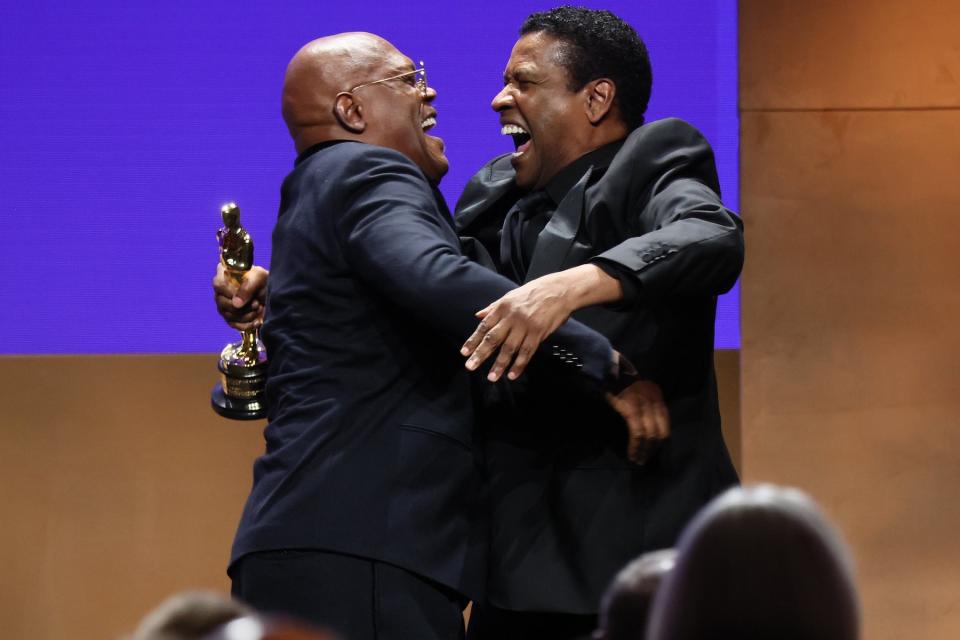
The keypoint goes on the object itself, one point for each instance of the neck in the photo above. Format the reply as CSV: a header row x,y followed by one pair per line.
x,y
604,133
306,137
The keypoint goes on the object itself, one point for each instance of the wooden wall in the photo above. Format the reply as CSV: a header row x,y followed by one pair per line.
x,y
119,486
850,171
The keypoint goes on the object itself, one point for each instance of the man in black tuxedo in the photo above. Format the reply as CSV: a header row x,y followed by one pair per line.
x,y
620,224
365,513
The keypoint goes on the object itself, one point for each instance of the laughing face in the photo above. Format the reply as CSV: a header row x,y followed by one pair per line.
x,y
539,111
400,116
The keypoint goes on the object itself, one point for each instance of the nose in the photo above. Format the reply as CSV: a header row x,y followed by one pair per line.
x,y
430,94
503,100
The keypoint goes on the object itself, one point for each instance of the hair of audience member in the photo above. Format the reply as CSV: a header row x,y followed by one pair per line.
x,y
625,606
600,45
260,627
189,615
758,562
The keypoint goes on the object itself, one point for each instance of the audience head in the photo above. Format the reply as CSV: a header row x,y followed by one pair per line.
x,y
758,563
258,627
190,615
358,86
625,607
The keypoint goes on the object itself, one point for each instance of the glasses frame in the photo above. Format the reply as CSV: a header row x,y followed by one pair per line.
x,y
420,83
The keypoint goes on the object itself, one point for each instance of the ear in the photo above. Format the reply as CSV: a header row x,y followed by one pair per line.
x,y
600,94
349,112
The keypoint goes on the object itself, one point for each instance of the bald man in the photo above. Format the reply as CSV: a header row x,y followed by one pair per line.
x,y
365,513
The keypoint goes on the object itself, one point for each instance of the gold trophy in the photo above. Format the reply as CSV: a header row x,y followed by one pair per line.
x,y
243,365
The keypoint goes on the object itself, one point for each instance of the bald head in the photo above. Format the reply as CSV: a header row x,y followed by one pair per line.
x,y
318,72
357,86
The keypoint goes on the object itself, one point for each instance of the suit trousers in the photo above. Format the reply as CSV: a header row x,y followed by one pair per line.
x,y
492,623
359,598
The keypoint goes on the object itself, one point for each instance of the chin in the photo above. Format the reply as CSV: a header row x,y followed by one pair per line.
x,y
438,170
441,162
523,181
525,176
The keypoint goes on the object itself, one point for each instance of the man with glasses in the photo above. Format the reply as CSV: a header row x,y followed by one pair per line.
x,y
365,513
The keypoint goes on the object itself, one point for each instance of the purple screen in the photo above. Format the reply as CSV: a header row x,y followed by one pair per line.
x,y
125,126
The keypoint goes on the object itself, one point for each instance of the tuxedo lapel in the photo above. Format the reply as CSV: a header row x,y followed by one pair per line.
x,y
485,189
555,241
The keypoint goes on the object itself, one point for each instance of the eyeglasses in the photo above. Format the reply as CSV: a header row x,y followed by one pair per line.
x,y
418,80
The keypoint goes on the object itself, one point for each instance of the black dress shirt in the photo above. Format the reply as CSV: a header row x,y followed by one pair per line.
x,y
531,221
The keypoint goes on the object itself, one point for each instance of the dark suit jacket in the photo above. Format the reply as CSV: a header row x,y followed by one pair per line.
x,y
568,510
370,448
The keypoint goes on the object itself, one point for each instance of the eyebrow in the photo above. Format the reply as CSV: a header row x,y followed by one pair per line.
x,y
520,70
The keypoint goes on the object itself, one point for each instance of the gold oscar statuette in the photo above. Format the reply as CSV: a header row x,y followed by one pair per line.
x,y
243,364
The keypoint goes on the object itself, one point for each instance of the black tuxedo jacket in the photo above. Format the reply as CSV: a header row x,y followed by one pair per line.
x,y
370,448
568,509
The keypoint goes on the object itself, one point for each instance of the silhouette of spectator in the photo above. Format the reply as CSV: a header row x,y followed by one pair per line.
x,y
190,615
758,562
256,627
626,604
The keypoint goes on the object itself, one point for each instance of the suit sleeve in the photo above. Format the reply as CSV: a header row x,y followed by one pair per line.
x,y
397,243
687,243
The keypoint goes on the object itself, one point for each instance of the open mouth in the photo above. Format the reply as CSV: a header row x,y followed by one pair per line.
x,y
521,139
428,123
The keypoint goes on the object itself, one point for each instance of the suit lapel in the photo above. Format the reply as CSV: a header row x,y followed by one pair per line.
x,y
555,241
486,188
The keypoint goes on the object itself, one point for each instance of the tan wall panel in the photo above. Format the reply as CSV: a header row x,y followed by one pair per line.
x,y
727,363
818,54
850,382
120,486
